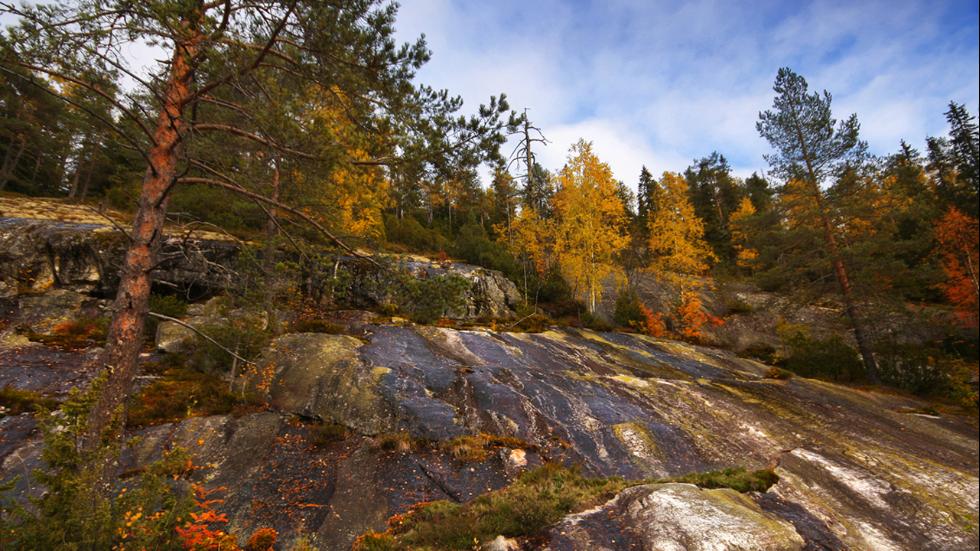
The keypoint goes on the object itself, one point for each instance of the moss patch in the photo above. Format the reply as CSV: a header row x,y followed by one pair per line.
x,y
526,508
536,500
736,478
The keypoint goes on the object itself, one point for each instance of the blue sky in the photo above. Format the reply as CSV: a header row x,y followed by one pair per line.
x,y
660,83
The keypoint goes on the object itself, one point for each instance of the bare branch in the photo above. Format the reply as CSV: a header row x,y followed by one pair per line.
x,y
202,334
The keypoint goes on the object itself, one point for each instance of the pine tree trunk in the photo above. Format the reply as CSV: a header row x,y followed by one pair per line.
x,y
125,334
269,254
843,281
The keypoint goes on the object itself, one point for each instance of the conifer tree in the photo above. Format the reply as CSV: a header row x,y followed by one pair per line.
x,y
811,146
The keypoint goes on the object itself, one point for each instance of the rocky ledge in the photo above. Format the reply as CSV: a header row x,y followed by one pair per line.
x,y
856,469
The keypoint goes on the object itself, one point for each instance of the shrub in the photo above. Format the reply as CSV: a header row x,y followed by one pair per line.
x,y
595,322
761,351
408,231
168,305
428,299
693,317
326,433
827,358
14,401
74,334
76,507
778,374
181,392
317,326
534,501
628,310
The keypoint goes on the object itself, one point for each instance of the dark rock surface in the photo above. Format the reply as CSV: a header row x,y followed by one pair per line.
x,y
36,255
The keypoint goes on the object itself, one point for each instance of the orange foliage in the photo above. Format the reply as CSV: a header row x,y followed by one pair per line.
x,y
653,321
957,235
263,539
201,533
693,317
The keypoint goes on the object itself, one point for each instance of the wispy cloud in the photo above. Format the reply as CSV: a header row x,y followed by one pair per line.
x,y
662,83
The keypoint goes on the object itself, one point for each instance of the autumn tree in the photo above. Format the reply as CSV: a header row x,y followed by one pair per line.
x,y
213,52
745,255
590,225
957,245
678,250
811,146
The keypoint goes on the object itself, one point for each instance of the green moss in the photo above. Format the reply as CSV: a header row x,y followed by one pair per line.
x,y
14,401
736,478
536,500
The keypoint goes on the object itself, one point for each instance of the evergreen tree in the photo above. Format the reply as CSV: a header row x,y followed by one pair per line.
x,y
645,200
811,146
715,195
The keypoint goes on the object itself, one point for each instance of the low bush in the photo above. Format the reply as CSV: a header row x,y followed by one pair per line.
x,y
533,502
824,358
536,500
168,305
326,433
181,392
317,326
14,401
75,334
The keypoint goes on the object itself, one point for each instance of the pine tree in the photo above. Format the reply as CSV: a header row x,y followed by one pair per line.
x,y
645,199
811,146
180,116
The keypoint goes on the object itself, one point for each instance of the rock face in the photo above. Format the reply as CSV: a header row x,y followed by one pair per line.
x,y
490,294
854,471
676,516
36,255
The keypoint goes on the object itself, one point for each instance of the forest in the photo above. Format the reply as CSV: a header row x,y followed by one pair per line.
x,y
299,129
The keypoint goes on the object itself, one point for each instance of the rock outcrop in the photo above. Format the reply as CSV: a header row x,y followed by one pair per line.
x,y
36,255
855,471
676,516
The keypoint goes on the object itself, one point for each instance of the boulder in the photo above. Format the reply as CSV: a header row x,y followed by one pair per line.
x,y
321,376
679,517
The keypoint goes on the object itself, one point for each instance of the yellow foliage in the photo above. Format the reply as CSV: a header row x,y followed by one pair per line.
x,y
591,222
745,255
677,242
529,236
353,196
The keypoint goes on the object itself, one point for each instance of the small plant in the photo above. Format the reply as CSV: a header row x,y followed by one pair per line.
x,y
533,502
168,305
180,393
14,401
477,447
396,442
317,326
74,334
828,358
